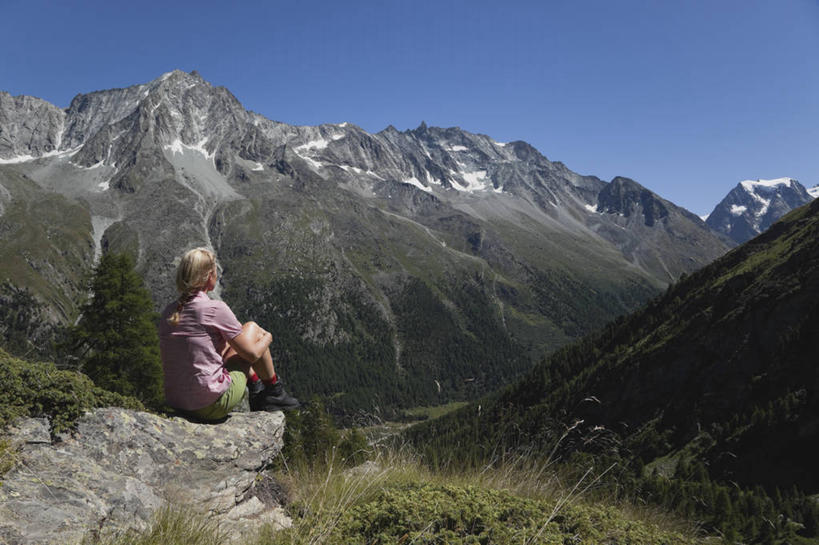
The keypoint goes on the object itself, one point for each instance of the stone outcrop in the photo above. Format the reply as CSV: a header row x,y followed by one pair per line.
x,y
120,466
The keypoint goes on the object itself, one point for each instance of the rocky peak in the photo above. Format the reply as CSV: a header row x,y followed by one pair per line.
x,y
524,151
753,205
626,197
177,111
29,127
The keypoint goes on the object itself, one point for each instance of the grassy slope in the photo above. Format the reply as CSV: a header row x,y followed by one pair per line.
x,y
45,243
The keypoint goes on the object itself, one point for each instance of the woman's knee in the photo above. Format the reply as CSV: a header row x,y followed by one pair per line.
x,y
252,329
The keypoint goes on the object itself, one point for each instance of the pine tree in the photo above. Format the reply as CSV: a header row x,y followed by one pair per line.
x,y
116,335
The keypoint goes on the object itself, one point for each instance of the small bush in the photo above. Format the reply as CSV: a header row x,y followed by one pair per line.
x,y
40,389
8,457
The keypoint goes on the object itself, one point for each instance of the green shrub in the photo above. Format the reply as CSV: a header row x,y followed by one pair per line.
x,y
423,512
40,389
8,456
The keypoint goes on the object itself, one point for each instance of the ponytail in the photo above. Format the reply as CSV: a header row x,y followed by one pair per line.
x,y
180,303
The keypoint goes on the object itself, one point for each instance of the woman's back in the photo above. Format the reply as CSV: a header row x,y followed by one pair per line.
x,y
192,351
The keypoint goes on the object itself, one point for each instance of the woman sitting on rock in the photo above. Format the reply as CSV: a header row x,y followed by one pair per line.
x,y
208,356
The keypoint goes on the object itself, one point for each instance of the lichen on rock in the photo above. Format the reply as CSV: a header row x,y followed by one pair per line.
x,y
120,466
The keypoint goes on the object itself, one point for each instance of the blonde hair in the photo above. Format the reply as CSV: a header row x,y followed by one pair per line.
x,y
191,276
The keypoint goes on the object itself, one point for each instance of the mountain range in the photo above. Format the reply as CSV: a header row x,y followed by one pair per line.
x,y
395,268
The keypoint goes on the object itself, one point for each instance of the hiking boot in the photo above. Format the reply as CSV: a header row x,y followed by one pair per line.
x,y
254,388
272,397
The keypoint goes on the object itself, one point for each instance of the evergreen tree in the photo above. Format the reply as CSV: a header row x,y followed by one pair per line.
x,y
116,335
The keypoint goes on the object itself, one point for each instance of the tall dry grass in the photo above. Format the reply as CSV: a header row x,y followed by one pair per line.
x,y
320,497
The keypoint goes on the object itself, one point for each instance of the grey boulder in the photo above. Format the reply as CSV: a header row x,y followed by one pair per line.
x,y
120,466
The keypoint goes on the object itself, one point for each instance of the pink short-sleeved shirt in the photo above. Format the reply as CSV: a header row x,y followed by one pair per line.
x,y
195,375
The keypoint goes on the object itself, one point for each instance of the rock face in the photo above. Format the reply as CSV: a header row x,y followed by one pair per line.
x,y
120,466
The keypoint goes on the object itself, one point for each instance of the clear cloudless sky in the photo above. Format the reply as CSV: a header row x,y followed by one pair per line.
x,y
687,97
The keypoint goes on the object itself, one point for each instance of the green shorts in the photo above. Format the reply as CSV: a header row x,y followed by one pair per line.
x,y
228,400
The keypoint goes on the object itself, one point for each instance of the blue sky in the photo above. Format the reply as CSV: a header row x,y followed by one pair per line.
x,y
686,97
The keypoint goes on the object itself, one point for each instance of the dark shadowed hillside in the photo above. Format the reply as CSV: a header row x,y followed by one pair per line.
x,y
719,372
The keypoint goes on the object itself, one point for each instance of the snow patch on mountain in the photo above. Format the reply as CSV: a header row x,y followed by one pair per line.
x,y
319,144
417,183
179,147
92,167
432,179
738,210
18,159
315,165
753,186
357,170
474,181
814,192
27,158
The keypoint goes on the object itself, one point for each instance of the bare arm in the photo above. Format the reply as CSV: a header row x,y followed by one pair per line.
x,y
251,344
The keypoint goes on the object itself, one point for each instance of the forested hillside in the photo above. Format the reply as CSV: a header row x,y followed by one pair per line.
x,y
715,382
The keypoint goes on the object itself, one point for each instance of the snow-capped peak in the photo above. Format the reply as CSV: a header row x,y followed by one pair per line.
x,y
753,186
753,205
814,191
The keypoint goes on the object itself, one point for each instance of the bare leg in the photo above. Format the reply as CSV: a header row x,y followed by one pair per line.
x,y
265,395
